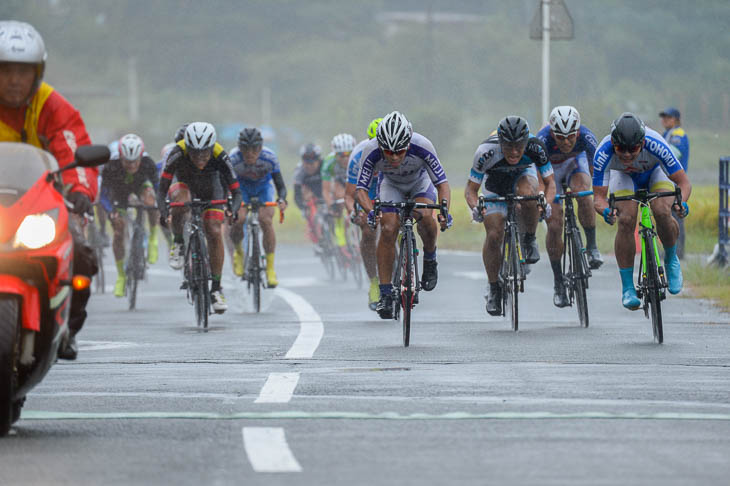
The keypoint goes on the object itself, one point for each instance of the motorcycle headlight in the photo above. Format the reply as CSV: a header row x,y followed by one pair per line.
x,y
36,231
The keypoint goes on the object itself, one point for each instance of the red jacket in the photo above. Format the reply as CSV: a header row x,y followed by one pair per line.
x,y
51,123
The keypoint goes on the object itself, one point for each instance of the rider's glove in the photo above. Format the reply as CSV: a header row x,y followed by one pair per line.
x,y
81,202
547,211
449,220
685,209
372,220
353,216
608,217
476,214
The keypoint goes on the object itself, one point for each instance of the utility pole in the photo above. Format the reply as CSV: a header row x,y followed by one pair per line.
x,y
133,90
552,21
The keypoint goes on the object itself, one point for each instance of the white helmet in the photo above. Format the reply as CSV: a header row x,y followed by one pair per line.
x,y
131,147
20,42
199,136
564,120
394,132
343,142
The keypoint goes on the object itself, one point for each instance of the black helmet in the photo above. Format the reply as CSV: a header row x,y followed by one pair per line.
x,y
250,137
513,130
627,132
180,133
310,152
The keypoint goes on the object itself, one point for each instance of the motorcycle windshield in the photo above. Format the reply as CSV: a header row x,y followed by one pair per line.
x,y
21,165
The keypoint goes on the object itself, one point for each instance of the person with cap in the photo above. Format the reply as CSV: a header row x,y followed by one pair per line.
x,y
677,139
32,112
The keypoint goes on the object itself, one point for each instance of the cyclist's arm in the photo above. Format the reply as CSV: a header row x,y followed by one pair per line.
x,y
600,198
299,196
230,180
550,189
168,172
327,192
471,193
279,184
350,197
682,181
444,192
362,197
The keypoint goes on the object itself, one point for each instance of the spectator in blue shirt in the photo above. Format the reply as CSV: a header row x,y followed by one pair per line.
x,y
677,139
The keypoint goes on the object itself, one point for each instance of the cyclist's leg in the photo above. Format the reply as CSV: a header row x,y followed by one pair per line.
x,y
554,238
149,198
119,225
179,192
624,245
237,236
266,220
339,220
667,228
580,180
389,225
526,185
310,213
494,219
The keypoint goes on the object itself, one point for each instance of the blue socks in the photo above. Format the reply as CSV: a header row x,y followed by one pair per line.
x,y
627,277
670,253
427,255
386,289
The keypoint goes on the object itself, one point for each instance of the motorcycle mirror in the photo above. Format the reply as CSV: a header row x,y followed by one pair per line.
x,y
92,155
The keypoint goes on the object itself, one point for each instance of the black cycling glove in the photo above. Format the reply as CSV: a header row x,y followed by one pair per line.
x,y
81,202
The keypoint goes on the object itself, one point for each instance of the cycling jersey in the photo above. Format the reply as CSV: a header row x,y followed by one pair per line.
x,y
678,138
117,184
420,162
655,152
501,176
51,123
353,168
203,183
332,171
302,178
586,142
255,179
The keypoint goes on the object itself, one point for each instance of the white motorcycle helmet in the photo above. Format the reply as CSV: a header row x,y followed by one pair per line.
x,y
20,42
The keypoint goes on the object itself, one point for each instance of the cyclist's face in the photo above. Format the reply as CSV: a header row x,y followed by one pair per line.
x,y
16,82
513,151
668,122
342,158
131,166
200,157
627,154
251,153
565,143
394,158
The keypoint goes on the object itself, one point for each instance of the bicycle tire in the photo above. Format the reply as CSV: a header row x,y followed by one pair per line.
x,y
356,265
653,290
408,288
201,296
100,278
513,284
580,279
134,272
255,268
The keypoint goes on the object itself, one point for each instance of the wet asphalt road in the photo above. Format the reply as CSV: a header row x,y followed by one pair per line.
x,y
261,399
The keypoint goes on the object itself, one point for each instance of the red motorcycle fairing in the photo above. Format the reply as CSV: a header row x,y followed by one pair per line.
x,y
30,301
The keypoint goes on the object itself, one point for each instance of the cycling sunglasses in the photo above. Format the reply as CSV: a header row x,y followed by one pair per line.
x,y
628,149
391,153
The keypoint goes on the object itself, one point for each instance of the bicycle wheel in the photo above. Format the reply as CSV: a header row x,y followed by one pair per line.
x,y
579,278
513,281
134,273
353,248
408,287
100,280
328,251
654,290
201,296
255,282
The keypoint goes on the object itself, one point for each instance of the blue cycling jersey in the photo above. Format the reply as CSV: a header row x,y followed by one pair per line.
x,y
678,137
655,151
353,169
255,174
586,142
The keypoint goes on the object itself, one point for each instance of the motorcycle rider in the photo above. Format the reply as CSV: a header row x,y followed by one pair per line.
x,y
32,112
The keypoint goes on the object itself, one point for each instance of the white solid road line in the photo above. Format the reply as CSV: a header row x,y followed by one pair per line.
x,y
279,388
268,451
311,327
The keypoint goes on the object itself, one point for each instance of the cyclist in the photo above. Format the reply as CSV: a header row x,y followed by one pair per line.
x,y
367,238
334,178
508,159
130,171
256,167
409,168
630,158
569,146
308,185
200,166
32,112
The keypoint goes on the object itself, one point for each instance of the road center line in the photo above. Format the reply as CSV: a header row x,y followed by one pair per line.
x,y
311,327
279,388
268,451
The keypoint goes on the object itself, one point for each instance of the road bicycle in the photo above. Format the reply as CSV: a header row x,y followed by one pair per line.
x,y
136,265
652,282
196,270
406,282
576,270
512,271
97,241
255,268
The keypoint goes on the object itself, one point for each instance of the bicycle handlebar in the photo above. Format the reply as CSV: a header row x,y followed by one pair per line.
x,y
197,203
411,205
540,198
572,195
642,196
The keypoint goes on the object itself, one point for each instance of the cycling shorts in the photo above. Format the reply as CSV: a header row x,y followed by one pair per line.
x,y
391,192
265,192
205,189
529,172
564,171
625,184
119,195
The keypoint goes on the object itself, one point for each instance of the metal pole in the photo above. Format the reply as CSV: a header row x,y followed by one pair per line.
x,y
133,90
545,59
266,105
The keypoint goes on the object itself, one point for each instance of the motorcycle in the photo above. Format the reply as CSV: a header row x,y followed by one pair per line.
x,y
36,268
